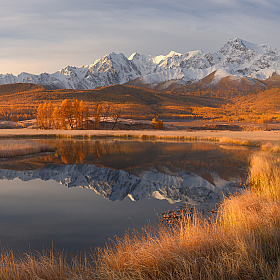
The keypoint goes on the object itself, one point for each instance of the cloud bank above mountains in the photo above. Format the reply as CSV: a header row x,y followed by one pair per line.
x,y
39,36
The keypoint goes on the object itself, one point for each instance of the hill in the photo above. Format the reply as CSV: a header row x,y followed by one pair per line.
x,y
231,98
18,99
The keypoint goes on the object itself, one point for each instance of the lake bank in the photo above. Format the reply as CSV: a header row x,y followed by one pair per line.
x,y
256,136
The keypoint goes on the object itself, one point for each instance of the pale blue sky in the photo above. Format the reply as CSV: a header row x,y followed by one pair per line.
x,y
47,35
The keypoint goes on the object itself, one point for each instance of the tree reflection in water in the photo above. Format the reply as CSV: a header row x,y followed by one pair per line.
x,y
131,155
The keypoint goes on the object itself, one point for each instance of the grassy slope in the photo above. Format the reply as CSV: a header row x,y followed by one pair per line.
x,y
134,101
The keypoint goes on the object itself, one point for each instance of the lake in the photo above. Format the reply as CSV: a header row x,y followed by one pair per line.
x,y
89,191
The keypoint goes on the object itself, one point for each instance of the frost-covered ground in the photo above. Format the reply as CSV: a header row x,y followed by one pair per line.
x,y
261,136
11,148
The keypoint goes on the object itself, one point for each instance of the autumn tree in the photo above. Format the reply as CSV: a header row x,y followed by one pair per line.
x,y
56,118
67,114
82,113
160,124
40,116
49,115
155,123
86,116
77,117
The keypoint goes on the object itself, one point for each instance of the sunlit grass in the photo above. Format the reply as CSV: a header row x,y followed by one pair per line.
x,y
230,141
48,265
270,147
13,148
242,242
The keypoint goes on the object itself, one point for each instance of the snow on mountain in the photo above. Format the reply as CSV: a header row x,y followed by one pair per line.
x,y
117,184
236,57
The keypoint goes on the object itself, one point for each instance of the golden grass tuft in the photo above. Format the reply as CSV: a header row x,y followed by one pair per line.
x,y
13,148
270,148
264,175
230,141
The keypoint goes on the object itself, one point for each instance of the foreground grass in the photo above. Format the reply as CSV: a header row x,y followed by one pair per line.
x,y
241,242
13,148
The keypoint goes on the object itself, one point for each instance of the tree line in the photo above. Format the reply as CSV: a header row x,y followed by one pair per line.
x,y
69,115
74,115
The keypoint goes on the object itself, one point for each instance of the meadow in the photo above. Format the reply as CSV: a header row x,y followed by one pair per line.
x,y
241,241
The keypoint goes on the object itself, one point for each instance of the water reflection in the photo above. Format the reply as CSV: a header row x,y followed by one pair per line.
x,y
106,186
195,172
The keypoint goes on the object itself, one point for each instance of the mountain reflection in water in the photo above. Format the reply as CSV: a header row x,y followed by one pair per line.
x,y
117,177
195,172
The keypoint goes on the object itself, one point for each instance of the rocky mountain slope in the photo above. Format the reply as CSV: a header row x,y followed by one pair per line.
x,y
237,58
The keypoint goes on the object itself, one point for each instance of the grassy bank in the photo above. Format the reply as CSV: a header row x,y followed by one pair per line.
x,y
11,148
241,242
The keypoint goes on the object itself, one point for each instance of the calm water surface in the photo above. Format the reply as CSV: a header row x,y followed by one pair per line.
x,y
89,191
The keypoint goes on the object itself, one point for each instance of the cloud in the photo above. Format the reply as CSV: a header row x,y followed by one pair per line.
x,y
46,35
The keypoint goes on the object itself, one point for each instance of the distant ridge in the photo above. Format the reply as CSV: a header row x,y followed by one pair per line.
x,y
237,57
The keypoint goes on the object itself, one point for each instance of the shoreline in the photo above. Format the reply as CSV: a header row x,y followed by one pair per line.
x,y
210,135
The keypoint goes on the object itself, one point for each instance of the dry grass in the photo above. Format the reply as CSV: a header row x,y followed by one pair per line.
x,y
230,141
270,148
265,175
242,242
13,148
47,265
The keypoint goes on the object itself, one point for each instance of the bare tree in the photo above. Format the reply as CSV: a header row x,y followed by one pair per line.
x,y
97,115
116,114
106,113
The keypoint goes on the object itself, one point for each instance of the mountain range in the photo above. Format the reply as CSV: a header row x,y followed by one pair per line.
x,y
237,59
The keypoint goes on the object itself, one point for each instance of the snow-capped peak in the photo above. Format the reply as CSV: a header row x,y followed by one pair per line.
x,y
157,59
172,53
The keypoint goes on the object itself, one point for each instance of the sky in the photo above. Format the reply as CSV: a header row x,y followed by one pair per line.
x,y
39,36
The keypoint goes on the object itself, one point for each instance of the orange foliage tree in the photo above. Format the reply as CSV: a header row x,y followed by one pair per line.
x,y
68,116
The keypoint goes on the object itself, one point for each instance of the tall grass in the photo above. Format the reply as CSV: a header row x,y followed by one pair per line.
x,y
48,265
241,242
13,148
265,175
